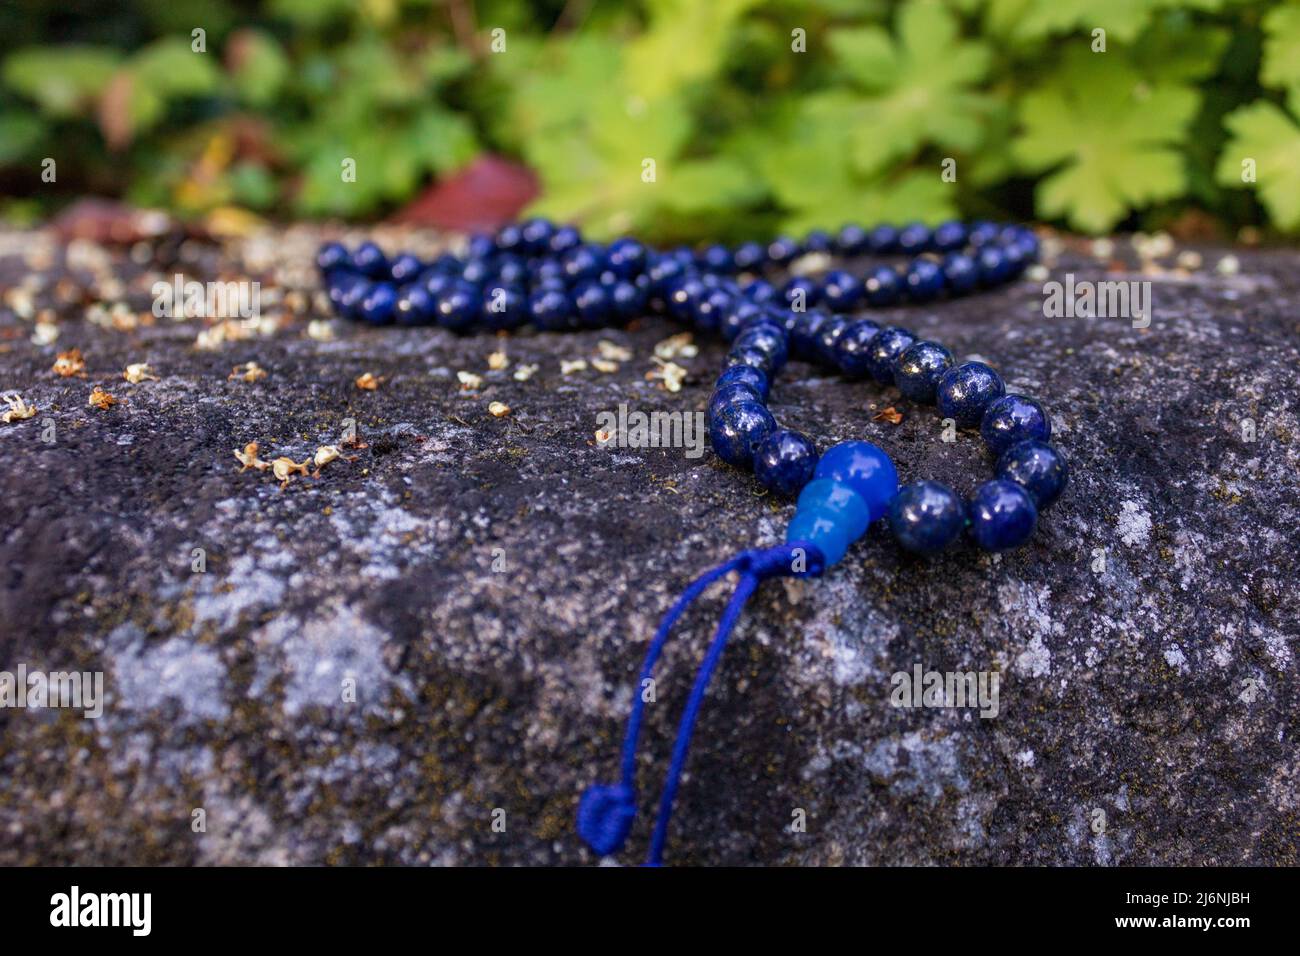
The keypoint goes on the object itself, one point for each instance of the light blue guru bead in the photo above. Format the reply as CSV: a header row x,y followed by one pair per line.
x,y
825,529
866,469
839,500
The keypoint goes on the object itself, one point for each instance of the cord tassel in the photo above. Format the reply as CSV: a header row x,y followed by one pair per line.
x,y
606,812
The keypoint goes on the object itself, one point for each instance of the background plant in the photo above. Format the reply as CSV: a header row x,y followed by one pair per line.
x,y
747,135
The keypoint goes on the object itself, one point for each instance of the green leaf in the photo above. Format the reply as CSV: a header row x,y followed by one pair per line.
x,y
441,141
62,80
1267,134
260,67
920,85
1281,67
20,132
1123,20
705,185
685,43
170,68
1110,138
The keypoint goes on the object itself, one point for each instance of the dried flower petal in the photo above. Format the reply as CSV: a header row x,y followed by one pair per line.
x,y
139,372
572,365
69,363
284,468
499,409
101,399
469,382
368,382
604,365
18,409
524,372
250,372
890,414
497,360
613,352
248,458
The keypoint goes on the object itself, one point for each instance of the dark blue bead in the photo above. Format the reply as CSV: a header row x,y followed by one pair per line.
x,y
458,306
351,295
405,268
628,299
1038,468
982,233
683,254
552,310
767,338
663,272
851,348
739,430
993,265
800,293
478,271
549,284
683,295
919,367
1016,259
841,291
510,238
734,319
851,241
888,344
914,238
505,307
883,286
510,270
1002,515
378,305
745,375
924,280
926,516
537,235
480,247
370,261
960,274
783,318
785,461
765,362
828,339
725,396
748,256
817,241
760,291
436,283
583,263
949,236
564,239
966,390
883,240
626,257
1011,419
803,335
414,305
332,256
341,286
717,258
592,304
783,250
710,309
548,270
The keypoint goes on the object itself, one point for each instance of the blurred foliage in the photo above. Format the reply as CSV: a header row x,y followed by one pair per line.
x,y
748,135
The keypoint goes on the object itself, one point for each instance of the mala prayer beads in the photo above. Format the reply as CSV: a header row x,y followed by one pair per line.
x,y
536,273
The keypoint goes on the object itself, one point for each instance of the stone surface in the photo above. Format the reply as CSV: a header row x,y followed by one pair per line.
x,y
1145,639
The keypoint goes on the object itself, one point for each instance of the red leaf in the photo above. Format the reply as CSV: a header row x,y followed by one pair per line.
x,y
486,194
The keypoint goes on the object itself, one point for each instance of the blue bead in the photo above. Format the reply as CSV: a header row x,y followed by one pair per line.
x,y
405,268
505,307
754,357
919,367
748,256
993,265
828,339
1011,419
332,256
710,308
783,250
851,348
914,238
804,332
351,294
851,241
683,293
414,305
564,239
960,274
949,236
760,292
628,299
627,257
982,233
510,238
745,375
821,529
537,234
784,461
924,280
839,500
883,239
883,286
738,430
592,304
767,338
477,271
842,291
480,247
552,310
800,293
817,241
583,262
510,270
926,516
725,396
458,306
1038,468
734,319
378,305
370,261
966,390
1002,515
717,258
343,287
888,344
866,469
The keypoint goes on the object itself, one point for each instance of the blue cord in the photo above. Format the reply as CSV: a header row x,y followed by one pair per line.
x,y
606,811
